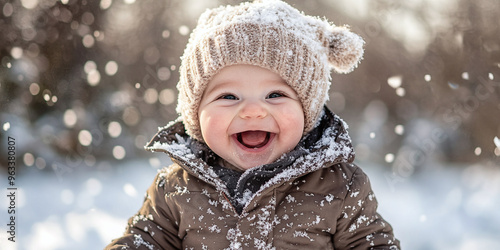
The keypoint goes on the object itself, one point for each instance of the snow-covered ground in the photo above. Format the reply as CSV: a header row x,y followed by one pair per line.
x,y
441,208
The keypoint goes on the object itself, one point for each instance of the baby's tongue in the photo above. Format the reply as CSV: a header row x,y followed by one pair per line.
x,y
253,138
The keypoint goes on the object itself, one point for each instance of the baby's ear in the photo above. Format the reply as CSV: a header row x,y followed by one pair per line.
x,y
345,49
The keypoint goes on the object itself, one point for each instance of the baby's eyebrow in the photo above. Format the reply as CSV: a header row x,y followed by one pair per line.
x,y
226,84
219,85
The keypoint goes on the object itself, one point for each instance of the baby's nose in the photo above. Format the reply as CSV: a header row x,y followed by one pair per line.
x,y
253,110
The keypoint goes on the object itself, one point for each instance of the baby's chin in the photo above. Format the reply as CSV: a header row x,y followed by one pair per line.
x,y
245,162
249,162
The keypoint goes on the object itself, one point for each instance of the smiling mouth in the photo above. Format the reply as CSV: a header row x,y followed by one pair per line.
x,y
253,139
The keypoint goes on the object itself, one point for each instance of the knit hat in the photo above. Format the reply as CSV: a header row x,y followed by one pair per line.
x,y
273,35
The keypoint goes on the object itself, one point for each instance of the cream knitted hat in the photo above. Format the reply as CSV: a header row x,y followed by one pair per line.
x,y
273,35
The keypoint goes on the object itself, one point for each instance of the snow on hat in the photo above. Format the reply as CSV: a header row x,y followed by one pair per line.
x,y
273,35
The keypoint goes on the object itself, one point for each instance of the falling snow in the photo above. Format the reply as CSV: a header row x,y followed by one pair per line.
x,y
82,98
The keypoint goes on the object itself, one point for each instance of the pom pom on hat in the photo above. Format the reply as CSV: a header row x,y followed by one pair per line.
x,y
273,35
345,49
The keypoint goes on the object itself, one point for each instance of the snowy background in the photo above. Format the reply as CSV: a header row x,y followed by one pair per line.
x,y
85,84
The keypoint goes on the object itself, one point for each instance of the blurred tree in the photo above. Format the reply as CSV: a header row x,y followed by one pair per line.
x,y
86,81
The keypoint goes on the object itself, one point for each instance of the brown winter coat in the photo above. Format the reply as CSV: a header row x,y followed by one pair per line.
x,y
320,201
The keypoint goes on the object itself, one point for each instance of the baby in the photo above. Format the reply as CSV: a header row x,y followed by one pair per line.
x,y
259,162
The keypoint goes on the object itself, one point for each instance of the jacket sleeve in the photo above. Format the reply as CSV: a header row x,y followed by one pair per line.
x,y
153,226
360,226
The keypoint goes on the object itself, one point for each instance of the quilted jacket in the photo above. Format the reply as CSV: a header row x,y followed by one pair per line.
x,y
315,199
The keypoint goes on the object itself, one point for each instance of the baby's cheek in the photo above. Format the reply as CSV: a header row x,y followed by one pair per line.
x,y
218,125
293,120
209,120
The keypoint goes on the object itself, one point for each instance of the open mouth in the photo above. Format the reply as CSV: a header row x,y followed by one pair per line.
x,y
253,139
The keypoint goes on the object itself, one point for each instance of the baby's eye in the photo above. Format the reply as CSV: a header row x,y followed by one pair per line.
x,y
228,97
275,95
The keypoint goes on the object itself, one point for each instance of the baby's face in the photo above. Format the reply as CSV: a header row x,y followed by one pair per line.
x,y
249,116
